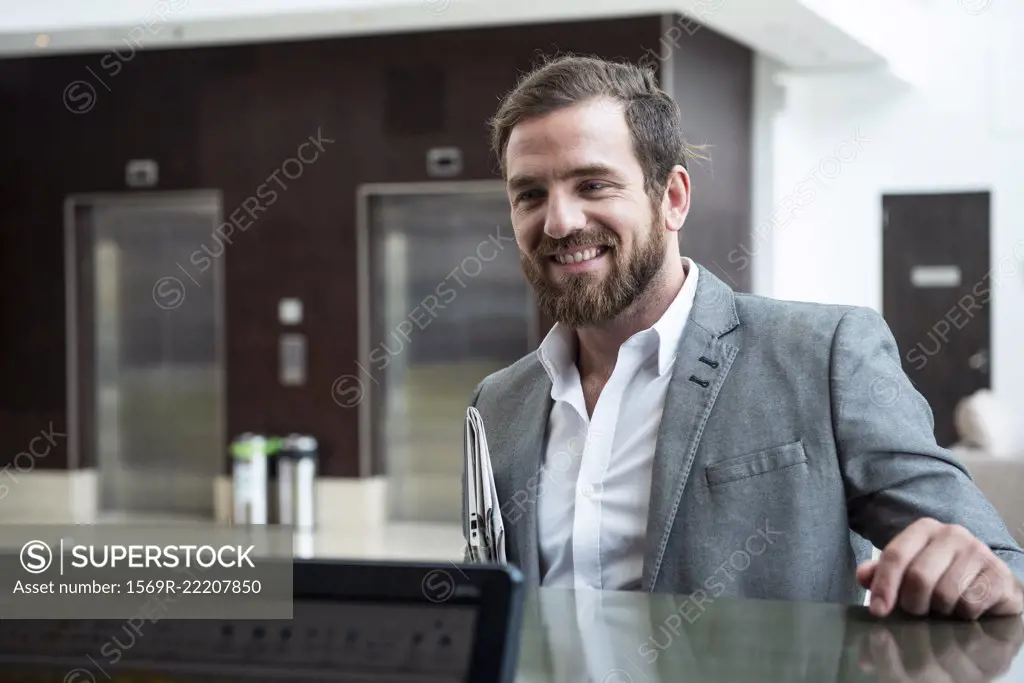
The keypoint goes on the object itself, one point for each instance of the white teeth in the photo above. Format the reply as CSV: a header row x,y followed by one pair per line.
x,y
578,256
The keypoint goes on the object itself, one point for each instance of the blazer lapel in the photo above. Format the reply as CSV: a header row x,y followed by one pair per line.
x,y
702,363
529,436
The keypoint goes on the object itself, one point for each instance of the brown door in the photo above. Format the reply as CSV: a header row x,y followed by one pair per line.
x,y
937,295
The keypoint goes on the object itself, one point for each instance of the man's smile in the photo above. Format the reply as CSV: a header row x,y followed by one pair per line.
x,y
579,260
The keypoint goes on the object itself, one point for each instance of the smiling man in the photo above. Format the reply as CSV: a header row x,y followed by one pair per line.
x,y
673,435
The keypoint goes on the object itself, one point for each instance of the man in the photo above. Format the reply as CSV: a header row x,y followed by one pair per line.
x,y
673,435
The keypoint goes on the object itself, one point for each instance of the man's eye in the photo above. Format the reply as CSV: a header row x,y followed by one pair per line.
x,y
594,185
528,195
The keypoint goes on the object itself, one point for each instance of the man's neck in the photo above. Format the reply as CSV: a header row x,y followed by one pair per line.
x,y
599,345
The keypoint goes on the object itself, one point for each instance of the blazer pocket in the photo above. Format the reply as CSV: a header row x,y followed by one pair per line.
x,y
752,465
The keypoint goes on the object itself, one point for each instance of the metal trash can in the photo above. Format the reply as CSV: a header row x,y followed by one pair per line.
x,y
296,482
249,479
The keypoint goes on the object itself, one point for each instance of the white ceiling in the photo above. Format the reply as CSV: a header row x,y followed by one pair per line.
x,y
798,33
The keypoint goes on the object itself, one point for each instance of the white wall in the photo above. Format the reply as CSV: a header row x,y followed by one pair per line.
x,y
960,129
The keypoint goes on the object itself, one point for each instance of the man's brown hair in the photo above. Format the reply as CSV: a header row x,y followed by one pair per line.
x,y
652,115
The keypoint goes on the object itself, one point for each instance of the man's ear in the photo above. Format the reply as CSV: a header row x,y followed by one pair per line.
x,y
676,202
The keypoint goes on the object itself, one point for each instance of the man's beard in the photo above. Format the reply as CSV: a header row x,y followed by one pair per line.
x,y
585,299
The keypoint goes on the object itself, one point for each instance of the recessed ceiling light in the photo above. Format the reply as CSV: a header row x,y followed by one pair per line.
x,y
42,40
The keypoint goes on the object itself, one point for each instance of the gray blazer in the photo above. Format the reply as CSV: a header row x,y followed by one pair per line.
x,y
791,441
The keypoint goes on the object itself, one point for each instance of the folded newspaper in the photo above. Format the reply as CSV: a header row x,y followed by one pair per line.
x,y
486,532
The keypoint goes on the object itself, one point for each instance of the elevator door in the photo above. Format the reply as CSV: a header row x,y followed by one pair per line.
x,y
149,352
448,304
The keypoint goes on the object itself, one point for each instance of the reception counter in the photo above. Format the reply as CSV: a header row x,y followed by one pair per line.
x,y
564,637
618,637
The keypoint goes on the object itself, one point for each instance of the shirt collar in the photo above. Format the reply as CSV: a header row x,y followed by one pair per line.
x,y
557,352
672,323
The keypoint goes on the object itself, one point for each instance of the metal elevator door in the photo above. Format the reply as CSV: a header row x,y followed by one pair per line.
x,y
150,337
447,304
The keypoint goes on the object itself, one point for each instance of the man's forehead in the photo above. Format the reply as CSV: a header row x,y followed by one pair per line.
x,y
592,121
556,147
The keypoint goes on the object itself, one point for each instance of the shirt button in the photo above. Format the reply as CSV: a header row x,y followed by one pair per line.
x,y
588,491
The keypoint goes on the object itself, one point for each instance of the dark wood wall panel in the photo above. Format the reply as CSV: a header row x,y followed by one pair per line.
x,y
713,80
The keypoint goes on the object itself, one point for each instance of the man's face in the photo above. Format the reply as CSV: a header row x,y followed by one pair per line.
x,y
590,238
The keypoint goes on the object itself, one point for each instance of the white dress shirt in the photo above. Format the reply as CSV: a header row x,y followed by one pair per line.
x,y
594,490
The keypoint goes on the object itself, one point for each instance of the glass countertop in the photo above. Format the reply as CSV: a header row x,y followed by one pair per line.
x,y
632,637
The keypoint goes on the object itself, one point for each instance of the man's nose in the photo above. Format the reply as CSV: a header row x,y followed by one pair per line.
x,y
564,216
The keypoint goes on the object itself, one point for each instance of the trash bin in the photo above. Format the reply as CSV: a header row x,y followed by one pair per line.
x,y
296,482
249,478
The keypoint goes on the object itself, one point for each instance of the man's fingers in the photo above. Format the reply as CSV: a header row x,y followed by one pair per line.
x,y
893,562
957,583
1009,599
1014,599
940,568
921,577
979,589
866,572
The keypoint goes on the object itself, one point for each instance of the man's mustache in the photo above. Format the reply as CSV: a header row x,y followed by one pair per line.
x,y
578,240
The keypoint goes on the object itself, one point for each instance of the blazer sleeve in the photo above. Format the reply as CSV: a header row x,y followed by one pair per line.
x,y
893,469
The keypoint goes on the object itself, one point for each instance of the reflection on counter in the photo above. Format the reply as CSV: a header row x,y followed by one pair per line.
x,y
589,636
913,650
